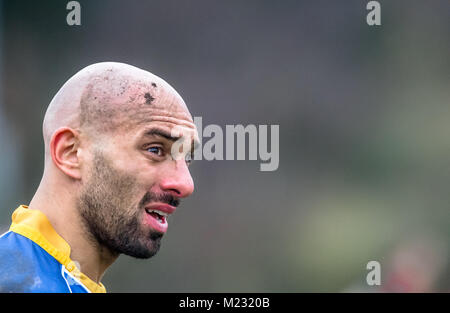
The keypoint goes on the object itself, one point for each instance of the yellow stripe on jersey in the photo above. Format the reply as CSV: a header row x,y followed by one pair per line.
x,y
34,225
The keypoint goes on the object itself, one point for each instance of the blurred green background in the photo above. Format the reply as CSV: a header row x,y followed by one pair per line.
x,y
364,115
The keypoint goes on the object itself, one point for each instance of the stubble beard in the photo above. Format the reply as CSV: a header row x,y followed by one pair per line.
x,y
108,218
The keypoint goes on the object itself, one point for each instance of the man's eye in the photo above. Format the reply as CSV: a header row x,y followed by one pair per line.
x,y
156,150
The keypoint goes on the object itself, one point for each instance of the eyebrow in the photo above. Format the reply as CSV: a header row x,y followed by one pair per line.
x,y
161,133
165,134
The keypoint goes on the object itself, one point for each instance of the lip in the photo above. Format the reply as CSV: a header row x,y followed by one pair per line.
x,y
153,222
163,207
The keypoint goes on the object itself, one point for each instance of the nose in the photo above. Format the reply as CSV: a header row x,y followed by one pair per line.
x,y
178,180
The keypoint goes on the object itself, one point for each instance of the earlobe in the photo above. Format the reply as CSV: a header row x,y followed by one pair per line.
x,y
64,146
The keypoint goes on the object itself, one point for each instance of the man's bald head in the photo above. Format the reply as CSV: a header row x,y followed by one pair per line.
x,y
105,97
109,170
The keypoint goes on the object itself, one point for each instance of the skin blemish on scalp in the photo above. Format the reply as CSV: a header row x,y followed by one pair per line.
x,y
148,98
153,84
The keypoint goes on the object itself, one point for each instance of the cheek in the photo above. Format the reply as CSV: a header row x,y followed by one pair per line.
x,y
141,169
146,172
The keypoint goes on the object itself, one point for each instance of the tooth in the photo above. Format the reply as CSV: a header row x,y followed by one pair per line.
x,y
166,215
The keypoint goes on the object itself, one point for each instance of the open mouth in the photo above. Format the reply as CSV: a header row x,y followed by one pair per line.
x,y
157,220
156,216
160,216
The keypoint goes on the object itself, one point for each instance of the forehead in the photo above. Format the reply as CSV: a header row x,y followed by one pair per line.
x,y
150,109
170,115
132,102
177,124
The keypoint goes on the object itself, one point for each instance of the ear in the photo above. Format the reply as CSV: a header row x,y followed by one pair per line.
x,y
64,149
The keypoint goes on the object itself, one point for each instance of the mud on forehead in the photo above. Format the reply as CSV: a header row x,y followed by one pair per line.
x,y
110,103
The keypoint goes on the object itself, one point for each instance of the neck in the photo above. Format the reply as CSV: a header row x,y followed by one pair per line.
x,y
92,258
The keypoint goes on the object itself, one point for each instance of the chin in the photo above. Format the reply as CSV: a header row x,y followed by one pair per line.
x,y
152,246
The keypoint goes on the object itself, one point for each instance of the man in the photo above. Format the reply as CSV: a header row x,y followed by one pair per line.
x,y
110,180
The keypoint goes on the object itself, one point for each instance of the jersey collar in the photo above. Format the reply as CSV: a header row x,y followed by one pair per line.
x,y
34,225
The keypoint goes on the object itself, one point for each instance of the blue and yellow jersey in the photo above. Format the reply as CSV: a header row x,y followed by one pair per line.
x,y
34,258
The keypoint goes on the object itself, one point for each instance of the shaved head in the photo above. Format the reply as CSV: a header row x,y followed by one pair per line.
x,y
108,96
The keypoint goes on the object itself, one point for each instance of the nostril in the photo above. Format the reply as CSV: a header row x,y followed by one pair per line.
x,y
179,191
176,192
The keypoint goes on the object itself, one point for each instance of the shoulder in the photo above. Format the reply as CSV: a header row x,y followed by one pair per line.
x,y
26,267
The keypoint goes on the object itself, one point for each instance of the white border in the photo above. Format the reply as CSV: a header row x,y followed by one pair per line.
x,y
5,233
